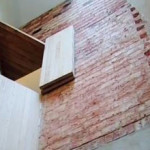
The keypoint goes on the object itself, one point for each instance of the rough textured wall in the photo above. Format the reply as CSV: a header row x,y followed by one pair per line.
x,y
135,141
144,8
110,96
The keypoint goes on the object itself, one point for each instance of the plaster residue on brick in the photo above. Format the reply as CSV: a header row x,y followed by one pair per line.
x,y
136,141
110,96
144,8
142,31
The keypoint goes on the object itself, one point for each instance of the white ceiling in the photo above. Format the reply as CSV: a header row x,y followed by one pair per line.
x,y
20,12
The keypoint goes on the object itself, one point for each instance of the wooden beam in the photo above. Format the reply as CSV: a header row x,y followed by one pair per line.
x,y
58,60
19,50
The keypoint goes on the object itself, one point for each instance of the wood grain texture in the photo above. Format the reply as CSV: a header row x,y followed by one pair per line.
x,y
20,53
58,60
20,113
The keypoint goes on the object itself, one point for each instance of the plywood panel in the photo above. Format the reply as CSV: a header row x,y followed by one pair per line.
x,y
20,113
58,60
20,53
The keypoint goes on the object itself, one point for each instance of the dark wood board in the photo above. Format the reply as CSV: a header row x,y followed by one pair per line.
x,y
20,53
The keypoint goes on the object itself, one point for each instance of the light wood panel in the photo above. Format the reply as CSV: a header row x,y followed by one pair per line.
x,y
20,113
31,80
58,60
20,53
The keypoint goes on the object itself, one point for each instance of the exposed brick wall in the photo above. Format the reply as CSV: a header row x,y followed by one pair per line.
x,y
110,96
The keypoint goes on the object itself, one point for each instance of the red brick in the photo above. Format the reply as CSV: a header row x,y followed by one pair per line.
x,y
136,14
109,138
